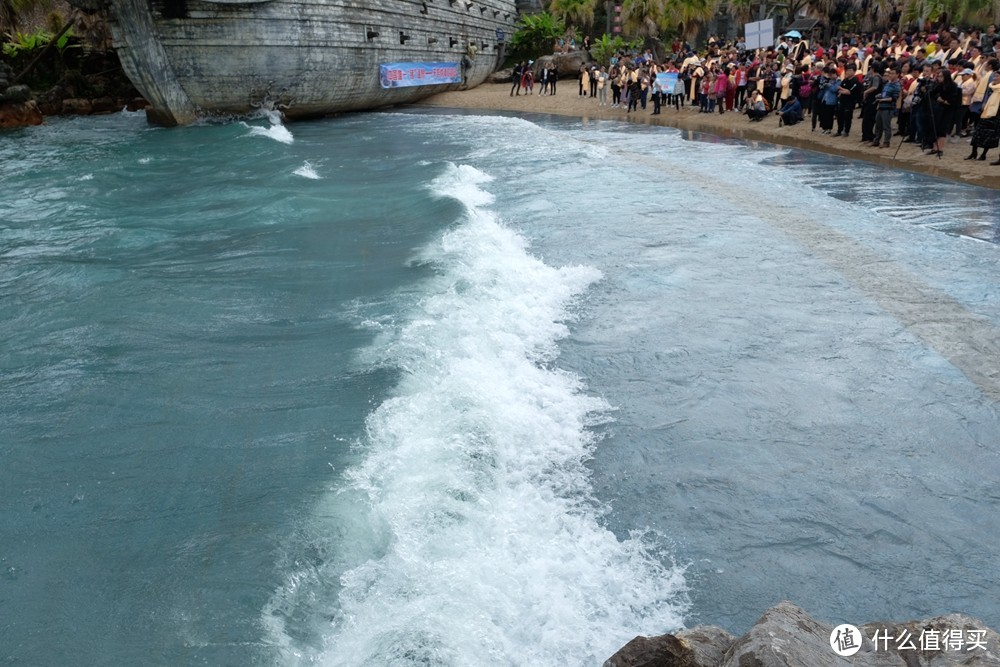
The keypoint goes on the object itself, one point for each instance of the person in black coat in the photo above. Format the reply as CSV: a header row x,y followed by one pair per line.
x,y
945,99
517,75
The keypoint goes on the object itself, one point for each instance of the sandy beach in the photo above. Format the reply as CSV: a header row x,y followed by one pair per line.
x,y
567,102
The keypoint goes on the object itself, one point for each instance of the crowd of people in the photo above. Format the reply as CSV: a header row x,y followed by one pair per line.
x,y
925,87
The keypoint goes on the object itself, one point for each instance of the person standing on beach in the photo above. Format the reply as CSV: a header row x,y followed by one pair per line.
x,y
616,87
721,88
553,77
584,80
907,84
829,87
869,101
516,77
847,99
602,88
946,98
886,108
634,93
528,79
986,134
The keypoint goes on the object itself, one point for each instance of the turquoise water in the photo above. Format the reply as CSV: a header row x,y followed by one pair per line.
x,y
430,388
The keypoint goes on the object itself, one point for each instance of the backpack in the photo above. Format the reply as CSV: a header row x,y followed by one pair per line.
x,y
806,89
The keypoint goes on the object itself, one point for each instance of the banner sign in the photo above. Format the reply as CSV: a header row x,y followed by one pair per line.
x,y
759,34
399,75
667,81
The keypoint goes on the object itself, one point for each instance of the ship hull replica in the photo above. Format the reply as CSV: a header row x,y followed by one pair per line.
x,y
305,58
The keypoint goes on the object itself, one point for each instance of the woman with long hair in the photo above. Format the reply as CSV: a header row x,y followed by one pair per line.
x,y
945,99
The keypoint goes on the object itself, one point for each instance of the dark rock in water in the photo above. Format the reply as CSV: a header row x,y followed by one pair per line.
x,y
16,94
708,644
661,651
105,105
19,114
76,106
786,636
136,104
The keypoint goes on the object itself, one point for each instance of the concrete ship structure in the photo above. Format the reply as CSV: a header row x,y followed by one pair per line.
x,y
304,57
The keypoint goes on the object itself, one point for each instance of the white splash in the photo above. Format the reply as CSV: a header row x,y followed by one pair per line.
x,y
475,535
276,130
307,171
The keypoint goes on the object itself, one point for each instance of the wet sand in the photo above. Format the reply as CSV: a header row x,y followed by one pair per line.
x,y
567,102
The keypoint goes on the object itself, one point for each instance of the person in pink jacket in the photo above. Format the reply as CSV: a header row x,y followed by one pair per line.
x,y
721,86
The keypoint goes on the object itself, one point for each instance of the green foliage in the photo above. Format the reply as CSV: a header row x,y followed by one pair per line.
x,y
605,47
27,42
535,34
574,12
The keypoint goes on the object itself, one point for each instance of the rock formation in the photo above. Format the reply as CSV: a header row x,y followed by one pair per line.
x,y
786,636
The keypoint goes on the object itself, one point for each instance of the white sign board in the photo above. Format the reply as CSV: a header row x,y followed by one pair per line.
x,y
759,34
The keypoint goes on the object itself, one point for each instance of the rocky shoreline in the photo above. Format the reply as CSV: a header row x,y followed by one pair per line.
x,y
94,85
787,636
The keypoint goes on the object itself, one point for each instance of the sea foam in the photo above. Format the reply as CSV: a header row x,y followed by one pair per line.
x,y
484,539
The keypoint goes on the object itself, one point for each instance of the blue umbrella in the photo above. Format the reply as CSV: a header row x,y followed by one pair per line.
x,y
794,33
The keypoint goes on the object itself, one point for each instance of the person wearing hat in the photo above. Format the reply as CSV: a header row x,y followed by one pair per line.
x,y
968,86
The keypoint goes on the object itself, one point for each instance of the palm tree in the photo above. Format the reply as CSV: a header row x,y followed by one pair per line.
x,y
576,13
644,18
689,15
743,11
957,11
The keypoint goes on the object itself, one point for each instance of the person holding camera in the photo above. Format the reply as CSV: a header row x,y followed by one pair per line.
x,y
886,108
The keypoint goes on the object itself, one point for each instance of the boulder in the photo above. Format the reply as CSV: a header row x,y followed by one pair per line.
x,y
955,640
16,94
502,76
708,644
50,107
703,646
19,114
105,105
786,636
567,64
660,651
77,106
136,104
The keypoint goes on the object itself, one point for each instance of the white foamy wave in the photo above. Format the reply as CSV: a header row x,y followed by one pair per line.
x,y
307,171
86,177
489,544
145,160
275,130
462,182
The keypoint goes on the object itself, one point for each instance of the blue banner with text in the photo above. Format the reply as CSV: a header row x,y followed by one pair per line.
x,y
399,75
